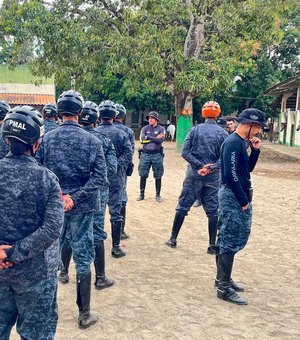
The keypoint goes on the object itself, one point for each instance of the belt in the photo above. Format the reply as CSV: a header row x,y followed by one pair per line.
x,y
151,152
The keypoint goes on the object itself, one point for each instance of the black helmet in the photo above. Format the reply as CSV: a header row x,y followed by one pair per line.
x,y
49,110
89,114
24,123
4,108
153,114
222,122
121,111
107,109
70,102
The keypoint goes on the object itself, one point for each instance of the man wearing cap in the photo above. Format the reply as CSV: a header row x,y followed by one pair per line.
x,y
231,125
151,154
235,196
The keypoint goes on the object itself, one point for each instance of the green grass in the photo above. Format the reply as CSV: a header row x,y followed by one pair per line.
x,y
21,75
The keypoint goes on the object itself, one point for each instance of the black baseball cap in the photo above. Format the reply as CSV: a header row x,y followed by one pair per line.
x,y
252,116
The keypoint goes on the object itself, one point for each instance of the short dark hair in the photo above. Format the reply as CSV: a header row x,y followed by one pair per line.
x,y
229,119
17,147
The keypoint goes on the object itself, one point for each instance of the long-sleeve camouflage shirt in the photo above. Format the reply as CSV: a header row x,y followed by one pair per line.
x,y
31,219
120,141
50,125
128,131
202,145
77,159
108,149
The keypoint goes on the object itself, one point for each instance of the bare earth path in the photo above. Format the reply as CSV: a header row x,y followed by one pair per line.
x,y
162,293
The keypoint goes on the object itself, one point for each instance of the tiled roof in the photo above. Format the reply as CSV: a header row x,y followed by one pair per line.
x,y
27,99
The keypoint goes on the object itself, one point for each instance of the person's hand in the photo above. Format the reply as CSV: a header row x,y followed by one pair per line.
x,y
255,142
160,135
68,202
3,256
245,207
5,265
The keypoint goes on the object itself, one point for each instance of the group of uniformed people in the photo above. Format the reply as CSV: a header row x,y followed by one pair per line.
x,y
60,206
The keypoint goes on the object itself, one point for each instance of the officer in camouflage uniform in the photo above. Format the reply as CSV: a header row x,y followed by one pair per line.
x,y
119,123
151,155
50,117
4,108
77,158
201,149
120,140
88,120
31,220
235,198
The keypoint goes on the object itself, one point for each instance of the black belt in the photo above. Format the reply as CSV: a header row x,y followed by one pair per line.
x,y
150,152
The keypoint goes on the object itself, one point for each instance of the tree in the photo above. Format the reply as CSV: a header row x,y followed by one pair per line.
x,y
187,48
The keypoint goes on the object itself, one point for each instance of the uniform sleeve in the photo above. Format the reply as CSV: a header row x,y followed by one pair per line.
x,y
131,139
111,159
143,139
230,157
253,158
186,152
126,157
43,237
98,176
158,140
39,156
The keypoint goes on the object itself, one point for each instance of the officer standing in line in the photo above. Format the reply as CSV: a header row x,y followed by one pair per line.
x,y
30,224
152,136
124,152
50,117
77,158
235,198
4,108
88,120
119,123
201,149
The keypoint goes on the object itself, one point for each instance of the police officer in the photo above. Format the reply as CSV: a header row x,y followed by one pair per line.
x,y
124,152
119,123
4,108
30,224
151,154
235,198
88,120
50,117
201,149
77,158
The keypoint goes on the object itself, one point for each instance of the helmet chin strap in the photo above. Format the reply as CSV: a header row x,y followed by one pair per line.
x,y
248,137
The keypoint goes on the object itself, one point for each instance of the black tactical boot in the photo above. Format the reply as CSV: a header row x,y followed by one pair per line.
x,y
234,285
124,236
158,189
225,290
143,181
178,221
101,280
66,254
212,232
116,236
86,318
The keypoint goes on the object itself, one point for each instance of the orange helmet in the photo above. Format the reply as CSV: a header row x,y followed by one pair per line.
x,y
211,109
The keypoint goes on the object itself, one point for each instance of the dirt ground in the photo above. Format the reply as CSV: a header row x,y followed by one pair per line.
x,y
163,293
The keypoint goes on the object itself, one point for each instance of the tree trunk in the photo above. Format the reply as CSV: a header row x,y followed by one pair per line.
x,y
184,111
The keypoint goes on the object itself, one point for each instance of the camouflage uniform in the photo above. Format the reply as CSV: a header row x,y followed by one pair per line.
x,y
77,158
111,165
130,135
50,124
234,223
202,146
124,156
31,219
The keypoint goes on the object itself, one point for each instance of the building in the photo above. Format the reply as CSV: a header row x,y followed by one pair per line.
x,y
20,87
287,94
